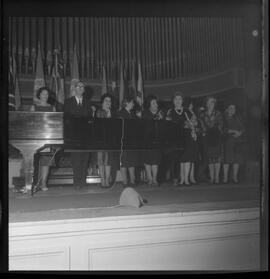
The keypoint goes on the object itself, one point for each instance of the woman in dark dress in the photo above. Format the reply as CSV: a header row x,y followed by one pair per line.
x,y
152,158
45,162
104,157
176,114
212,125
128,159
233,153
191,152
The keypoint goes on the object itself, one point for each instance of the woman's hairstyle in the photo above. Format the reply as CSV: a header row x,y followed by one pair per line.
x,y
227,107
149,99
41,89
127,100
104,96
178,94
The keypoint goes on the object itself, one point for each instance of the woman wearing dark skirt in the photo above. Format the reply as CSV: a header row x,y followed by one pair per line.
x,y
191,152
152,158
128,159
177,115
212,125
104,157
45,162
233,153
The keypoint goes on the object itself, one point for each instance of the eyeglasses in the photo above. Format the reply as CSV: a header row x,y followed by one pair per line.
x,y
80,86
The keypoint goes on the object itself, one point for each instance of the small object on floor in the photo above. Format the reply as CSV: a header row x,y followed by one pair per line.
x,y
129,197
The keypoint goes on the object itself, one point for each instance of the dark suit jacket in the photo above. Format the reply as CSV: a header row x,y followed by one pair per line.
x,y
72,109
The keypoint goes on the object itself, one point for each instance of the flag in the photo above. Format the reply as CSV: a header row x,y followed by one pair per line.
x,y
58,84
49,63
121,86
140,94
133,81
11,87
39,79
75,72
114,87
104,82
14,91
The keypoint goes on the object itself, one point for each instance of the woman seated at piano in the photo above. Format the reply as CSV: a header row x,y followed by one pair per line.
x,y
128,159
44,104
152,158
104,158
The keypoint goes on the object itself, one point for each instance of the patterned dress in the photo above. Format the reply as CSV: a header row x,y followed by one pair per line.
x,y
233,147
212,126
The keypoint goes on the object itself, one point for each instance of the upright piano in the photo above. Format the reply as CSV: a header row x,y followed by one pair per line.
x,y
31,131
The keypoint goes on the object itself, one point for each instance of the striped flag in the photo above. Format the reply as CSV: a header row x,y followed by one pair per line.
x,y
121,86
133,81
114,87
140,94
39,79
58,84
75,72
14,92
104,82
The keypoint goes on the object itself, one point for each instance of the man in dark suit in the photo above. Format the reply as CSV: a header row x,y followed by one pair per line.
x,y
78,106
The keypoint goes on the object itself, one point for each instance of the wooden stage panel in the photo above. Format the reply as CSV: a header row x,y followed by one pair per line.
x,y
206,240
202,227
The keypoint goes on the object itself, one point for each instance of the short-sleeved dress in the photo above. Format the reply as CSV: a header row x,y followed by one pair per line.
x,y
233,147
128,158
45,160
151,157
213,128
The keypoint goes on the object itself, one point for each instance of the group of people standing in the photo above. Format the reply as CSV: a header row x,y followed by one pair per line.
x,y
211,138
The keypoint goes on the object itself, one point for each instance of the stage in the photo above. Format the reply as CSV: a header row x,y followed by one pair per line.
x,y
200,227
63,202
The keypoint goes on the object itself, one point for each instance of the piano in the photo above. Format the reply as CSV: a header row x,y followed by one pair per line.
x,y
31,131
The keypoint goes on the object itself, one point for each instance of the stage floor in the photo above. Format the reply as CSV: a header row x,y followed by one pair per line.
x,y
64,202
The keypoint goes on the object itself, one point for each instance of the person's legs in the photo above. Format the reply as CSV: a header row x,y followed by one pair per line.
x,y
154,172
124,175
131,171
84,159
186,172
76,166
217,169
225,173
235,172
107,175
102,174
182,173
211,172
43,177
148,174
192,173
